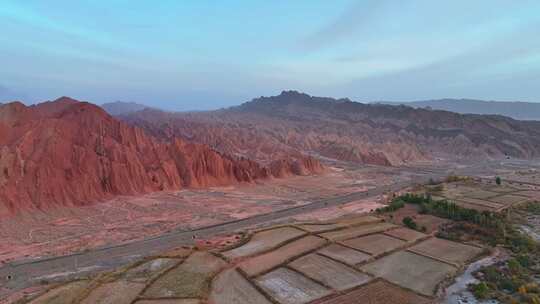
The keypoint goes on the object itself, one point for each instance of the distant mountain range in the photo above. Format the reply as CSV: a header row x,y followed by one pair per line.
x,y
517,110
122,107
295,123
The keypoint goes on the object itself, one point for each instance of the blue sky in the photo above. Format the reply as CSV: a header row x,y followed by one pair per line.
x,y
186,55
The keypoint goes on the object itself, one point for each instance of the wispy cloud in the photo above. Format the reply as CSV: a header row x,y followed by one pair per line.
x,y
352,18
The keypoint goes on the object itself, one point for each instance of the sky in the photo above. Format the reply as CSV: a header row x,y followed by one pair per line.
x,y
199,55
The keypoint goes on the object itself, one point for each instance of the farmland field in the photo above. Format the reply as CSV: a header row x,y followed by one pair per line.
x,y
375,244
267,261
406,234
411,271
447,250
229,287
346,255
263,241
289,287
331,273
377,292
357,231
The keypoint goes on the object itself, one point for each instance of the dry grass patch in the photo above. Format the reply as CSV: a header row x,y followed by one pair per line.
x,y
189,280
229,287
149,270
289,287
344,254
481,194
359,220
119,292
508,199
411,271
478,203
264,241
445,250
328,272
65,294
375,244
378,292
267,261
357,231
406,234
316,228
170,301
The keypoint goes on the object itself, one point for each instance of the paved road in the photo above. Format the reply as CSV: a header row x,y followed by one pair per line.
x,y
24,274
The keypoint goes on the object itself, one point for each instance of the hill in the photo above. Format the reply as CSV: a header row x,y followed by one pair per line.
x,y
294,123
70,153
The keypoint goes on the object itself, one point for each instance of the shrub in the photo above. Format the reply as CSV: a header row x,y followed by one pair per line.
x,y
480,290
409,222
498,180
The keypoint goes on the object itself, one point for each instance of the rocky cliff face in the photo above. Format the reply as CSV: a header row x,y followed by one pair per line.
x,y
67,153
293,123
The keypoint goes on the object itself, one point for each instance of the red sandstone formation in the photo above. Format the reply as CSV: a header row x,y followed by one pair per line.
x,y
68,153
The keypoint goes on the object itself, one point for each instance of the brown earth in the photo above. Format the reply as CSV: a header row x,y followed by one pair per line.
x,y
70,153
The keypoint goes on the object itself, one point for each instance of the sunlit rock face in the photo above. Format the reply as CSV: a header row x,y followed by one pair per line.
x,y
70,153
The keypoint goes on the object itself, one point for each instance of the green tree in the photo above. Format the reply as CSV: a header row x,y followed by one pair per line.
x,y
498,180
409,222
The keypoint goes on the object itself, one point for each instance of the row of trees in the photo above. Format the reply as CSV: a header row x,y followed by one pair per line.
x,y
450,210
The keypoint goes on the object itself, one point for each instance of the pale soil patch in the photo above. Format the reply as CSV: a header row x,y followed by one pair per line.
x,y
316,228
508,199
267,261
530,194
328,272
501,189
289,287
447,250
119,292
64,294
189,280
359,220
179,252
481,194
378,292
170,301
375,244
406,234
263,241
479,202
346,255
411,271
357,231
473,206
229,287
335,212
149,270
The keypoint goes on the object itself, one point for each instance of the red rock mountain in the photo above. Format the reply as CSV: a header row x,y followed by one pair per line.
x,y
294,123
67,153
